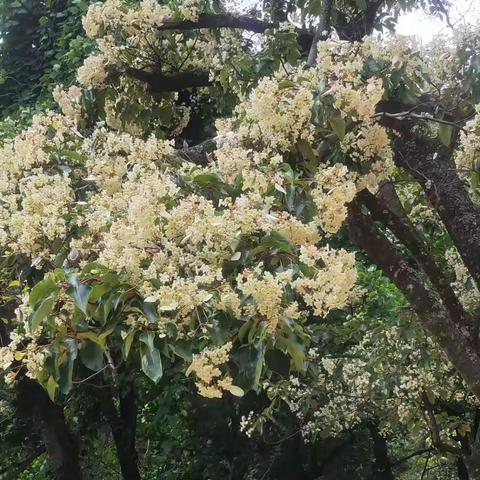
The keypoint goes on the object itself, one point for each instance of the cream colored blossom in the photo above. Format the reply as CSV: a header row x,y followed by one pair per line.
x,y
93,73
211,381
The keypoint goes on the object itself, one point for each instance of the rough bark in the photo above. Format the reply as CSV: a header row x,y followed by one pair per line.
x,y
34,402
387,208
434,169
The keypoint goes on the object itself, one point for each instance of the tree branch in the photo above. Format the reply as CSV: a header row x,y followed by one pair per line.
x,y
400,225
432,166
411,455
223,20
437,441
456,341
171,83
322,31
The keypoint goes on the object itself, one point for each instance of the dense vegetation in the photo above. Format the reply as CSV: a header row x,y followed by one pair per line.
x,y
239,245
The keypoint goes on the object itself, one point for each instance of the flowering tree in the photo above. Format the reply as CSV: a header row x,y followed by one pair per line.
x,y
186,203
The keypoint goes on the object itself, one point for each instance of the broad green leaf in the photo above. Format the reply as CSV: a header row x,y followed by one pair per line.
x,y
150,356
41,290
285,84
338,125
152,363
150,312
306,149
66,368
80,292
52,386
91,355
127,342
445,134
205,179
93,337
42,311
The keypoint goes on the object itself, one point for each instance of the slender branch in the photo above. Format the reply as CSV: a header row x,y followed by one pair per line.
x,y
437,441
411,455
419,116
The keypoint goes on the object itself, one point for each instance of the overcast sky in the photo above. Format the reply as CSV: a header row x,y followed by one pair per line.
x,y
425,27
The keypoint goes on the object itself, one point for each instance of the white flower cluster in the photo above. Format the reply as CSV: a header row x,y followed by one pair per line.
x,y
211,381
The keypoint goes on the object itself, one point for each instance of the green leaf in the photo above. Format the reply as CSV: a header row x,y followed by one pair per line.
x,y
52,386
285,84
79,292
127,342
306,149
91,355
42,289
208,179
277,243
66,369
93,337
237,391
475,180
42,311
150,357
361,4
152,363
445,134
150,312
338,125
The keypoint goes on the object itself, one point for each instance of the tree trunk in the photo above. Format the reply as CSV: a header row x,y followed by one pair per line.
x,y
383,466
462,470
59,443
123,424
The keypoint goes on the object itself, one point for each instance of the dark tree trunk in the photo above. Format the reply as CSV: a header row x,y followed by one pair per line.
x,y
462,470
383,466
123,424
60,445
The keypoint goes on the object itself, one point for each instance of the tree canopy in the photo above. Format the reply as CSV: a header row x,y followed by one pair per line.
x,y
238,243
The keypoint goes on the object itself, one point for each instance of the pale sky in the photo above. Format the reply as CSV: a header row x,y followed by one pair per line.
x,y
425,27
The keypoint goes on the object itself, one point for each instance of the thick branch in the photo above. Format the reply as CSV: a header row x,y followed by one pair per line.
x,y
323,29
398,222
171,83
434,169
456,341
223,20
